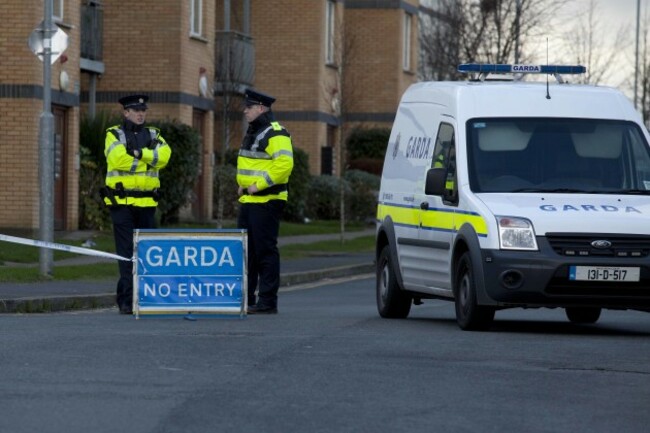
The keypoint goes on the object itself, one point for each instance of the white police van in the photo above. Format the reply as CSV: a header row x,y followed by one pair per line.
x,y
499,194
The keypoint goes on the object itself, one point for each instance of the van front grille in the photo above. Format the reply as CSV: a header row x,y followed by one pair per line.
x,y
599,245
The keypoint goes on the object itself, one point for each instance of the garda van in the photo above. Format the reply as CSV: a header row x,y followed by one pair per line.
x,y
500,194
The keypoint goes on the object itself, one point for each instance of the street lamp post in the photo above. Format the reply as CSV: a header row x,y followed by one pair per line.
x,y
46,148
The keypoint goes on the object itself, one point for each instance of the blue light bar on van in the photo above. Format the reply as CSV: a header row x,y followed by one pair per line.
x,y
520,69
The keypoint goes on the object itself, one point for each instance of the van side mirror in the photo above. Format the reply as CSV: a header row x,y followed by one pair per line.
x,y
435,182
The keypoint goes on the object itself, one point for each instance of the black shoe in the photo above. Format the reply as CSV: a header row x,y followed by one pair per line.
x,y
262,309
124,309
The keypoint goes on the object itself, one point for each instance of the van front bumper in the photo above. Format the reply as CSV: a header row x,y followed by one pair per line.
x,y
541,279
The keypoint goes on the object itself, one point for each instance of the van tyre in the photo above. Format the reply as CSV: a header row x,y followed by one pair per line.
x,y
582,314
469,315
392,303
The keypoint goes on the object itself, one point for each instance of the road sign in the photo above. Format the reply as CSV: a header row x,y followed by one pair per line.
x,y
58,41
189,272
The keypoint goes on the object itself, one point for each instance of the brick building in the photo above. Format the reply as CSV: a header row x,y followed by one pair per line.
x,y
332,64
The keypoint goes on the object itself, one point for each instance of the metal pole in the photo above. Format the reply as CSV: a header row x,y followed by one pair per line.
x,y
46,149
247,18
636,52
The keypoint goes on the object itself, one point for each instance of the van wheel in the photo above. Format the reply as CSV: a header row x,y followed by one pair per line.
x,y
582,314
392,303
469,315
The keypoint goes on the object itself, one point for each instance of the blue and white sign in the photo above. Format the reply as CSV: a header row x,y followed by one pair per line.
x,y
181,272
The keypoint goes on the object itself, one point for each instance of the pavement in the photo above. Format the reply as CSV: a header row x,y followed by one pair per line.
x,y
52,296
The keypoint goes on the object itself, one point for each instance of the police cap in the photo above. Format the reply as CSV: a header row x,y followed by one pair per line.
x,y
253,97
137,102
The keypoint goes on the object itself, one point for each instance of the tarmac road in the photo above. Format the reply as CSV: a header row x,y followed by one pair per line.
x,y
325,363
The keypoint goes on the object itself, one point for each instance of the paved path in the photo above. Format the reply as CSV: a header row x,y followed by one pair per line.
x,y
64,295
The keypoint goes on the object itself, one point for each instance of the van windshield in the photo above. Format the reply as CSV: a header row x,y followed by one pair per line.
x,y
557,156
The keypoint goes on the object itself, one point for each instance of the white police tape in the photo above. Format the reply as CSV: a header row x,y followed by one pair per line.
x,y
63,247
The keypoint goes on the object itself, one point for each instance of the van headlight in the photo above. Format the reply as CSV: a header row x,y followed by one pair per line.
x,y
516,234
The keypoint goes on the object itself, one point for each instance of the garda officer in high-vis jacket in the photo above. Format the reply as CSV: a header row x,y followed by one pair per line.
x,y
264,164
134,154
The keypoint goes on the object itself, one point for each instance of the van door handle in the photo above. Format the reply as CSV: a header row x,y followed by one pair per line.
x,y
424,205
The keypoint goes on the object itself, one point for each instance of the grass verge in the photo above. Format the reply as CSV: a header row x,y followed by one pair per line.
x,y
101,271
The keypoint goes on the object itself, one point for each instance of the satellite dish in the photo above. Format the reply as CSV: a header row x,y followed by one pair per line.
x,y
64,81
335,104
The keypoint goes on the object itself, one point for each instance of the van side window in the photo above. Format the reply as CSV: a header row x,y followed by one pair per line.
x,y
444,156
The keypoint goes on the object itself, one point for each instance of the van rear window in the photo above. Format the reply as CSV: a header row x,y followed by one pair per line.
x,y
557,155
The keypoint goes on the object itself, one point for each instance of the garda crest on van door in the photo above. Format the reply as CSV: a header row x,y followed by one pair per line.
x,y
396,146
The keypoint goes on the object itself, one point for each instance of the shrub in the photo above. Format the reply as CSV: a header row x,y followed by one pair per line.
x,y
225,177
362,199
366,149
177,180
298,187
368,143
93,213
323,201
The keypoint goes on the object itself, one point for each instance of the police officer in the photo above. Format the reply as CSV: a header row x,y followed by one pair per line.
x,y
134,154
264,165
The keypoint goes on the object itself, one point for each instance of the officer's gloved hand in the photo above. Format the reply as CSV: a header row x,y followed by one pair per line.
x,y
153,144
131,150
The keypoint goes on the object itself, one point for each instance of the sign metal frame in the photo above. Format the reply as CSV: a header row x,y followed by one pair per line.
x,y
196,272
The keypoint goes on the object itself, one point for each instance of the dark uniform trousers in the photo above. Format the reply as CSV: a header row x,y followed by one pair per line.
x,y
262,222
125,220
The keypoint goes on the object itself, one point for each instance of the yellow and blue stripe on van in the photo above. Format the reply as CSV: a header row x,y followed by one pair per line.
x,y
446,220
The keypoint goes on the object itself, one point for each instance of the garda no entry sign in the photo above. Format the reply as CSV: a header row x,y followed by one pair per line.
x,y
189,272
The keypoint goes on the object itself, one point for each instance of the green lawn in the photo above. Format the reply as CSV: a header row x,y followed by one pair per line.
x,y
16,253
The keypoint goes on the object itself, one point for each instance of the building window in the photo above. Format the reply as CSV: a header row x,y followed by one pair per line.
x,y
57,10
406,56
196,18
330,12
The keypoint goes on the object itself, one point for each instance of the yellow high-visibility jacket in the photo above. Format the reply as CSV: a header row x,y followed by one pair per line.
x,y
267,162
136,175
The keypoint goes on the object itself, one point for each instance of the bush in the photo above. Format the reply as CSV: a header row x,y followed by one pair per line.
x,y
93,213
324,199
225,177
366,149
177,180
298,187
368,143
368,165
362,200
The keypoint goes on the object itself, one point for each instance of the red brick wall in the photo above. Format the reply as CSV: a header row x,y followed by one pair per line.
x,y
19,117
147,48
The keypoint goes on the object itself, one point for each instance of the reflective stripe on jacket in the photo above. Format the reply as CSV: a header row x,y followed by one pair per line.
x,y
267,162
135,174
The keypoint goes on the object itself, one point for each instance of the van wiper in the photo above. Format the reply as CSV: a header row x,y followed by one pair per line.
x,y
556,190
585,191
632,191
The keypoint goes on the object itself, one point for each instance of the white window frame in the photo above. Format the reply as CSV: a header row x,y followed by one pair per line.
x,y
57,10
406,43
330,21
196,17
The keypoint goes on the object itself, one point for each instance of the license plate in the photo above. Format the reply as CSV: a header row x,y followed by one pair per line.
x,y
603,273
